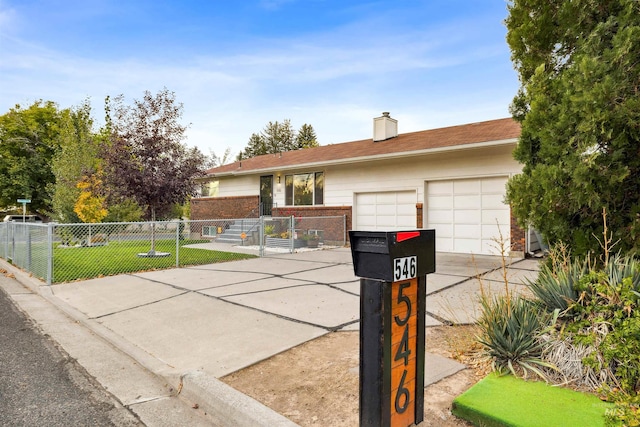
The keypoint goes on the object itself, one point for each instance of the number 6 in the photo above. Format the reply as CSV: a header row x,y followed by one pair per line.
x,y
402,391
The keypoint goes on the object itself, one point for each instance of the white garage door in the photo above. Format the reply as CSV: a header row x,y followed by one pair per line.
x,y
468,214
385,211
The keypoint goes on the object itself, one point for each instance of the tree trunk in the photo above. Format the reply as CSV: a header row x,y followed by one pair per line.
x,y
152,251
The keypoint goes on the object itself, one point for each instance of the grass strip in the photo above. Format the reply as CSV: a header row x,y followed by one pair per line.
x,y
507,401
122,257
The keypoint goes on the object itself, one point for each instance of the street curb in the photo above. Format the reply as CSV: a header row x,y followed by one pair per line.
x,y
226,405
223,405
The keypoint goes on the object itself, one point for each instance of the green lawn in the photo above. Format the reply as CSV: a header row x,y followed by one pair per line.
x,y
507,401
122,257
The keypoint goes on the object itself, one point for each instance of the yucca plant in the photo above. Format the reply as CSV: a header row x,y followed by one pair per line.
x,y
511,328
555,287
619,268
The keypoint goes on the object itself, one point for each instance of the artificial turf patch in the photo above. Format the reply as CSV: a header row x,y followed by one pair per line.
x,y
507,401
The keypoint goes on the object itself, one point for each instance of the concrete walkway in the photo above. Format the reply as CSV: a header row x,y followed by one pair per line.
x,y
216,319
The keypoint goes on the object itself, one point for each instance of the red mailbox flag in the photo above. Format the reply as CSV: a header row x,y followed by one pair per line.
x,y
406,235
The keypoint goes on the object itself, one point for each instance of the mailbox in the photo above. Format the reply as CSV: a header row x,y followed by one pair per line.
x,y
393,256
393,268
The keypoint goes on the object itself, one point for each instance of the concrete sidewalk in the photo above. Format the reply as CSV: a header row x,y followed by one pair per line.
x,y
193,325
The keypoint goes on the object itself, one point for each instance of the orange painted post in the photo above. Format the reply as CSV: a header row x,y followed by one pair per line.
x,y
404,352
393,269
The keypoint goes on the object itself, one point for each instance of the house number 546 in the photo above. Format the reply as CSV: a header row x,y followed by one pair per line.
x,y
405,268
403,395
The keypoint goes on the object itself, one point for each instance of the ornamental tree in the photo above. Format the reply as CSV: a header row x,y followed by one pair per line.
x,y
90,205
579,107
145,158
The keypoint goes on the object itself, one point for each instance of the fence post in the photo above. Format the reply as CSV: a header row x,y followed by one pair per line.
x,y
28,266
6,241
50,254
261,234
178,243
292,233
344,230
13,241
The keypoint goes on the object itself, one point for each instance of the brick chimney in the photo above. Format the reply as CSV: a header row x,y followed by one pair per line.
x,y
384,127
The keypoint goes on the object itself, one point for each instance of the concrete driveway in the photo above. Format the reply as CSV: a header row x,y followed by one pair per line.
x,y
222,317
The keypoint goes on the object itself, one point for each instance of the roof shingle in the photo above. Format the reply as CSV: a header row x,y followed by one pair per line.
x,y
454,136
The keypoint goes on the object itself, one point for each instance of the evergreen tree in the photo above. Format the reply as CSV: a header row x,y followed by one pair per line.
x,y
255,147
277,137
306,137
579,107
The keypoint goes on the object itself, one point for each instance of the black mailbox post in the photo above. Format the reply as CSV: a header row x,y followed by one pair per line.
x,y
392,267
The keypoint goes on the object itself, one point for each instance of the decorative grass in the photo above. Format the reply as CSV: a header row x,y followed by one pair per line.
x,y
118,257
507,401
510,330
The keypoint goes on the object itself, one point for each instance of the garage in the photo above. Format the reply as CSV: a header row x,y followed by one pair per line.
x,y
468,214
385,211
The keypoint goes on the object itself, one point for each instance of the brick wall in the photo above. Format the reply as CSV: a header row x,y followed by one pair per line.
x,y
224,207
419,218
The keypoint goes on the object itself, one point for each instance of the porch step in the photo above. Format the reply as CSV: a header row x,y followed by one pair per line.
x,y
233,234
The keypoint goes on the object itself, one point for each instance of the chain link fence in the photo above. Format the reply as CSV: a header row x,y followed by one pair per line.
x,y
293,233
58,253
26,246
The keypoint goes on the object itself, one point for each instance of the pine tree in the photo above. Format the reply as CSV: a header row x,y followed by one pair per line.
x,y
278,137
579,107
306,137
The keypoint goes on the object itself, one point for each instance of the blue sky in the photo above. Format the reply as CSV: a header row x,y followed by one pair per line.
x,y
236,65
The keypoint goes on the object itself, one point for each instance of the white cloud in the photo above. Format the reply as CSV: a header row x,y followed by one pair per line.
x,y
336,80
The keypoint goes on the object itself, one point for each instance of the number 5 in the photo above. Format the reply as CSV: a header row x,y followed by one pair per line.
x,y
403,299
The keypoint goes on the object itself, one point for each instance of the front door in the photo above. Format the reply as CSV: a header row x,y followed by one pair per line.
x,y
266,195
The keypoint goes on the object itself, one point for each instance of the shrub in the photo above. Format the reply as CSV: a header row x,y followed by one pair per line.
x,y
598,343
619,268
511,328
555,289
613,308
269,230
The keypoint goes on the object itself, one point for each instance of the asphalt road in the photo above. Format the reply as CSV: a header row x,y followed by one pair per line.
x,y
40,385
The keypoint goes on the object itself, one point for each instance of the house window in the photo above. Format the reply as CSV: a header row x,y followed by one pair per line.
x,y
304,189
210,189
